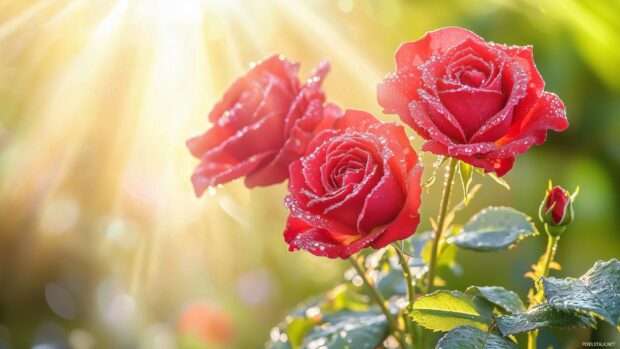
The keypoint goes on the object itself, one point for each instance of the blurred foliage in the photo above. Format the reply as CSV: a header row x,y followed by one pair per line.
x,y
102,243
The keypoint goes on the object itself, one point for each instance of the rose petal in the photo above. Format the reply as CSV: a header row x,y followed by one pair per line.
x,y
320,242
411,54
319,73
524,55
455,150
560,198
403,157
197,145
294,147
500,166
247,141
498,125
431,115
472,107
382,204
347,210
297,210
396,91
272,65
483,157
406,223
357,120
331,113
548,113
213,173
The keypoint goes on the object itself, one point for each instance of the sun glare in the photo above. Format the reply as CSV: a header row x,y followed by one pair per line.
x,y
110,91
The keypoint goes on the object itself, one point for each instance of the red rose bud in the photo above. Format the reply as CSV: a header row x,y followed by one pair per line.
x,y
556,210
480,102
357,186
261,125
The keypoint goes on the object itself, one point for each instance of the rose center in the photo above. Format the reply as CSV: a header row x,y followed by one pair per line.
x,y
345,166
473,77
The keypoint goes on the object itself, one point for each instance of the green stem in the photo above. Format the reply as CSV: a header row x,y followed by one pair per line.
x,y
531,339
441,219
410,288
488,334
552,246
407,273
378,298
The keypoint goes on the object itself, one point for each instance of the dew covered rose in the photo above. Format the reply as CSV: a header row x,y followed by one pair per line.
x,y
263,123
357,186
480,102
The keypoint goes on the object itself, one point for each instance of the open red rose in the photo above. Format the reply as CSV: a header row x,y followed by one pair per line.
x,y
480,102
357,186
262,124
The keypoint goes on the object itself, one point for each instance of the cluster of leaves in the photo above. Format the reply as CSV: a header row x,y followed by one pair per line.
x,y
493,314
479,317
342,318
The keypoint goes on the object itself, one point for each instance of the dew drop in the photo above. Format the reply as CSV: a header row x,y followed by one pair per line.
x,y
211,191
357,280
312,312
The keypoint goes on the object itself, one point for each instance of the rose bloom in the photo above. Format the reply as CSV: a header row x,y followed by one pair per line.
x,y
357,186
477,101
262,124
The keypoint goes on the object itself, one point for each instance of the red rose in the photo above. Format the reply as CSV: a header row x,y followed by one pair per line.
x,y
262,124
559,198
557,209
358,185
480,102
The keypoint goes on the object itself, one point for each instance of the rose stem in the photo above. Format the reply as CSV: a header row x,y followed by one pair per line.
x,y
443,209
410,288
552,246
378,298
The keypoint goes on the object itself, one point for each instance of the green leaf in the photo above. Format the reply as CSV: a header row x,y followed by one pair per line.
x,y
297,329
417,242
391,283
501,297
494,228
446,310
347,329
596,293
467,337
337,320
419,246
345,296
541,316
466,172
498,180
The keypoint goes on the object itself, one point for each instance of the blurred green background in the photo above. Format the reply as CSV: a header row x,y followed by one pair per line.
x,y
102,242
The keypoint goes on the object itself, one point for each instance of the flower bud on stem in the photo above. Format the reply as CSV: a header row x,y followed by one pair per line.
x,y
556,212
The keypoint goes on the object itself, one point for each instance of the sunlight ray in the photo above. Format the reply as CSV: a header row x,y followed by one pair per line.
x,y
324,35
